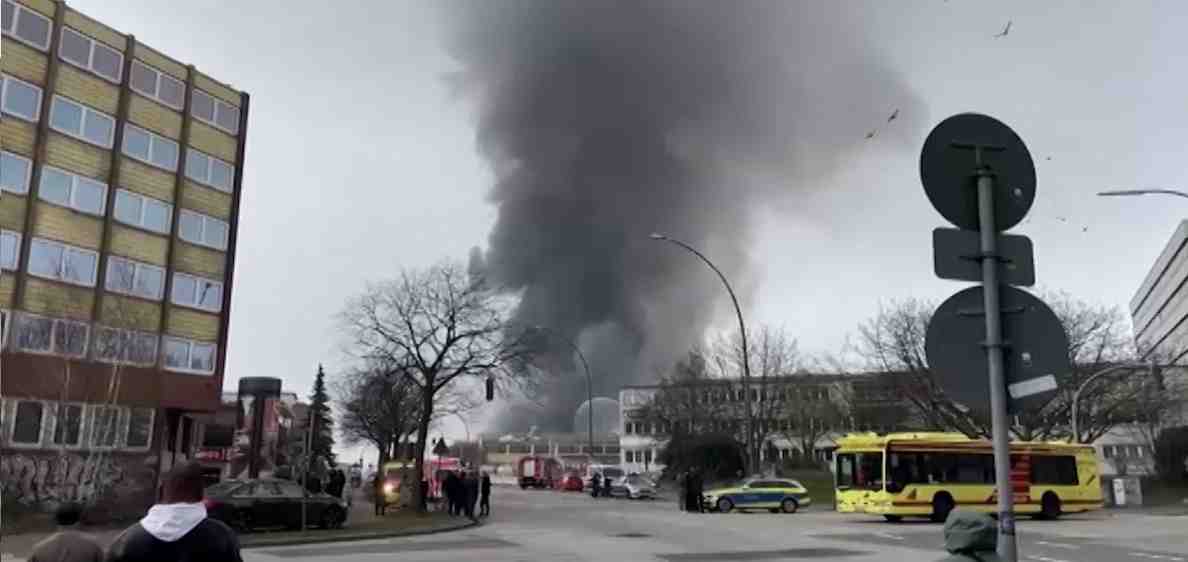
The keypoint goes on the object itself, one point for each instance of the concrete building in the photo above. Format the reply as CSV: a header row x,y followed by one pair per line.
x,y
120,186
572,449
1159,308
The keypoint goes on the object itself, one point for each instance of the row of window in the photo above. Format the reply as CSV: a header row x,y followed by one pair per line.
x,y
643,457
23,100
62,262
87,195
1122,451
71,338
33,29
75,425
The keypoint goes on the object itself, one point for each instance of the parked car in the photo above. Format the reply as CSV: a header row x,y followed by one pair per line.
x,y
772,494
571,482
634,487
252,504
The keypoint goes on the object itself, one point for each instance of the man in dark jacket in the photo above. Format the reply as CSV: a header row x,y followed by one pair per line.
x,y
68,544
485,495
177,529
470,487
970,537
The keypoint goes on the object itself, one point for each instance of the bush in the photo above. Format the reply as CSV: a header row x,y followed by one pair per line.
x,y
717,456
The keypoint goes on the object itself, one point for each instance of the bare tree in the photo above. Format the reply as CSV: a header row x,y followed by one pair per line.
x,y
377,408
436,327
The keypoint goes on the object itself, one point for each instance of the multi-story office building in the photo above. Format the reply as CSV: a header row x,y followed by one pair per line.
x,y
121,175
1159,308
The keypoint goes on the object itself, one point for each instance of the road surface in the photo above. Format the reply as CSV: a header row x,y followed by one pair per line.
x,y
540,525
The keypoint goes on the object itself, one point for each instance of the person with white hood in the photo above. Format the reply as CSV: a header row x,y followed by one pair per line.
x,y
177,529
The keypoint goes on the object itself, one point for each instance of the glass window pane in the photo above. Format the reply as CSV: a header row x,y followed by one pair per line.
x,y
150,281
136,143
27,425
143,349
165,153
184,289
156,215
103,426
220,174
127,207
202,106
34,333
89,196
107,62
75,48
210,295
99,128
197,165
177,353
80,267
171,91
9,243
66,116
202,358
70,338
55,186
106,344
139,427
45,259
228,117
8,14
120,275
144,79
14,173
191,227
33,28
216,233
22,99
68,424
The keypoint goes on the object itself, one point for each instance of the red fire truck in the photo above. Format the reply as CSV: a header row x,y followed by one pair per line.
x,y
539,472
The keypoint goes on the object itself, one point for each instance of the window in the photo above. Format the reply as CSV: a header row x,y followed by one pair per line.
x,y
860,470
157,85
57,261
89,54
20,99
68,425
104,425
138,210
197,292
27,421
49,335
15,171
135,278
82,122
189,356
197,228
70,190
150,148
124,346
10,246
26,26
215,112
204,168
140,428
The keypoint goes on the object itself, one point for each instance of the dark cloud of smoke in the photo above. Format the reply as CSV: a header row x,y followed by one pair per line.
x,y
607,120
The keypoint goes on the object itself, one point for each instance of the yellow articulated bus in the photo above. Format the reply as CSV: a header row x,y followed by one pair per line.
x,y
929,474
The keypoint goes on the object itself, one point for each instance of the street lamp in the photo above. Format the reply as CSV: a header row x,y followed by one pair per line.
x,y
753,453
1129,192
1076,424
589,385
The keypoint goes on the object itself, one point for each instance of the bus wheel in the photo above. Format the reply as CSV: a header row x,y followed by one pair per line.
x,y
1050,506
942,504
893,518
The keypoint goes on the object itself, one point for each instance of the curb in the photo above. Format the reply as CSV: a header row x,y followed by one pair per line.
x,y
361,536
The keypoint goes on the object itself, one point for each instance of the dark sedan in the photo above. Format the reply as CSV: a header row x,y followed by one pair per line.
x,y
252,504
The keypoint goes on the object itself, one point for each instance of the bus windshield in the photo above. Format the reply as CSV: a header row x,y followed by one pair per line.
x,y
860,470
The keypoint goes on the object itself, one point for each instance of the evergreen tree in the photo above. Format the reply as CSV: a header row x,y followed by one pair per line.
x,y
323,438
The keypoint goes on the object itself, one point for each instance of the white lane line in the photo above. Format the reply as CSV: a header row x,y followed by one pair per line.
x,y
1059,545
889,536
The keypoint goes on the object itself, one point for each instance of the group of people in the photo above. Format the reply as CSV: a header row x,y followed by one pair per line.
x,y
600,486
462,489
692,491
176,529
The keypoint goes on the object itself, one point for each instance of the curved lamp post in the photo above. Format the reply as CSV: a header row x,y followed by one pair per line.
x,y
1129,192
753,453
589,385
1076,424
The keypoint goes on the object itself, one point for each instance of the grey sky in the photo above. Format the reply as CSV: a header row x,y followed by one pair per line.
x,y
352,96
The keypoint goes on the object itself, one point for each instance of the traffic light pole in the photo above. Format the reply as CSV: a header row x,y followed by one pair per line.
x,y
1007,547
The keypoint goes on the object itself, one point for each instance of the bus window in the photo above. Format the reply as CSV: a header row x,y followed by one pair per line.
x,y
860,470
845,471
1059,470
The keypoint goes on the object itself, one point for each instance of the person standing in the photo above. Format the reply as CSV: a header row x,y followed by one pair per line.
x,y
470,494
449,489
698,487
68,544
607,486
381,499
683,494
177,529
485,495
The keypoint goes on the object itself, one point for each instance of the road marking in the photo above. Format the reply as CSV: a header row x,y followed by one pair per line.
x,y
1044,559
889,536
1059,545
1157,556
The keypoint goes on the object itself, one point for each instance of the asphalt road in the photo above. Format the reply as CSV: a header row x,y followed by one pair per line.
x,y
540,525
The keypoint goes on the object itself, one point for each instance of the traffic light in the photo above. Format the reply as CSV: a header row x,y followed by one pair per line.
x,y
490,389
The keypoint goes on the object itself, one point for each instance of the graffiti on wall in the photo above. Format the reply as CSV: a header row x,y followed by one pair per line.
x,y
41,479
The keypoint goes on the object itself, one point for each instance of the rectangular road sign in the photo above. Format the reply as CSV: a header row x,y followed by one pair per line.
x,y
956,255
1031,387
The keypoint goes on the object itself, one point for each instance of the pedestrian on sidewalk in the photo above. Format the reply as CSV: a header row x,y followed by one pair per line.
x,y
596,486
970,537
177,529
449,488
485,494
470,494
68,544
381,499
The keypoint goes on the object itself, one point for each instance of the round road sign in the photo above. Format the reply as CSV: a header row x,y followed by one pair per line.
x,y
948,169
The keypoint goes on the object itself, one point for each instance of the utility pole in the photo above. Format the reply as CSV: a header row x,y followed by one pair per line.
x,y
308,464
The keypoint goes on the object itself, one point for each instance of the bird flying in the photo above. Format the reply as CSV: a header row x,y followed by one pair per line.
x,y
1006,31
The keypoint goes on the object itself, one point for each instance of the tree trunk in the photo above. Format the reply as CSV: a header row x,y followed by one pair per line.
x,y
422,440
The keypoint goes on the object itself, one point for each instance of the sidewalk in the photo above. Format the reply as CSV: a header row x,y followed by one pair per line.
x,y
361,524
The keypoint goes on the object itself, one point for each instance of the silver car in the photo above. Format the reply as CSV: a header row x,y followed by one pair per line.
x,y
634,487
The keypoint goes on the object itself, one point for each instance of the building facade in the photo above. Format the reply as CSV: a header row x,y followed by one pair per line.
x,y
1159,308
120,186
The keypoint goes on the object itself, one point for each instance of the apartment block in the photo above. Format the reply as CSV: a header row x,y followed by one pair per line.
x,y
120,178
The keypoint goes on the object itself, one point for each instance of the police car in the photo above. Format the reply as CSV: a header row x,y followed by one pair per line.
x,y
773,494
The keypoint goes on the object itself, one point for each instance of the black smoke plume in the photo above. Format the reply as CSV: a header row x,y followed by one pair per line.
x,y
607,120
